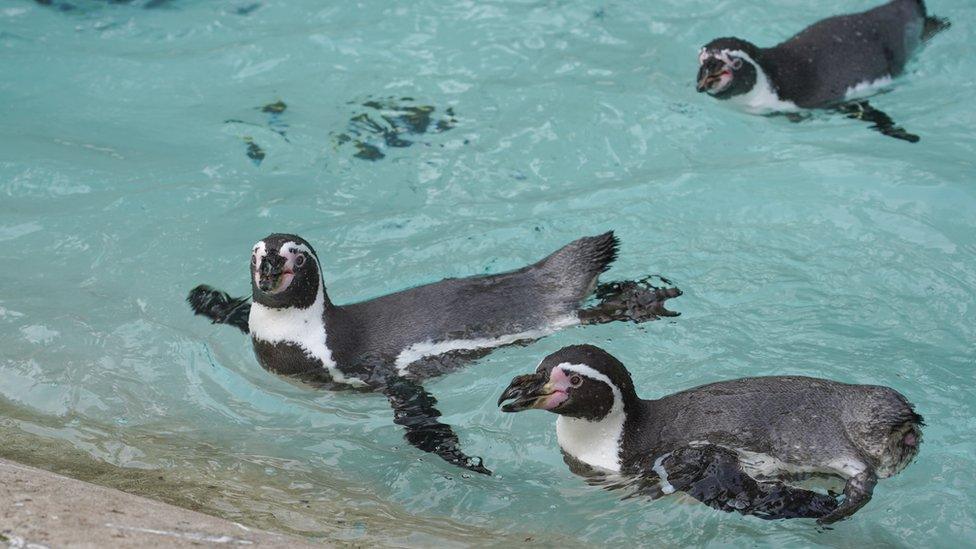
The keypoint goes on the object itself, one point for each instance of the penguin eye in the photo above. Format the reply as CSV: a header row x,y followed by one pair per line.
x,y
300,260
736,63
576,380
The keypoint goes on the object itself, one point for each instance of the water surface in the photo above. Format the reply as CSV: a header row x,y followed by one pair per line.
x,y
137,159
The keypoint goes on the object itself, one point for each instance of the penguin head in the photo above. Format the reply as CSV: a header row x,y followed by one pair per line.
x,y
727,67
284,272
580,381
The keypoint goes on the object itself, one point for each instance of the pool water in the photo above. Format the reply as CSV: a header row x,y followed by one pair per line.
x,y
145,147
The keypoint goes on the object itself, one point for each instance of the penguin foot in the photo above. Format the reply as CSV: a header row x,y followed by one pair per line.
x,y
857,492
414,409
881,122
634,300
713,475
220,307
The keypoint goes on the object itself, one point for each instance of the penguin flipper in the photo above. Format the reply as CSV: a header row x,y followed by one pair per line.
x,y
636,300
413,408
934,25
857,492
220,307
881,122
713,475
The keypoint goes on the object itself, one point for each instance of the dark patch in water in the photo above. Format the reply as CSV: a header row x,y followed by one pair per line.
x,y
248,9
391,122
68,6
274,123
277,107
367,151
254,151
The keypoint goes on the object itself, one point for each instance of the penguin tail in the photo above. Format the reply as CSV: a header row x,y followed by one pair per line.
x,y
893,435
934,25
572,270
904,441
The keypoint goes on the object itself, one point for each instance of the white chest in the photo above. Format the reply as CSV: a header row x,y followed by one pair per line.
x,y
761,99
303,328
595,443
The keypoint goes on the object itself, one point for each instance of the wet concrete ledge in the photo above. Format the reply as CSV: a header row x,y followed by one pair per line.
x,y
41,509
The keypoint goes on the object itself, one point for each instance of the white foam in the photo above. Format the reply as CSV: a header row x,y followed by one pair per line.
x,y
428,348
595,443
658,468
867,88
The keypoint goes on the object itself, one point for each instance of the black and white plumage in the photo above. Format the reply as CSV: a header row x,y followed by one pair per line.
x,y
393,342
733,444
833,62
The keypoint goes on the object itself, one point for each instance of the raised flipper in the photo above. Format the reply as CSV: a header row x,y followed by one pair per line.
x,y
636,300
413,408
712,475
862,110
857,492
220,307
934,25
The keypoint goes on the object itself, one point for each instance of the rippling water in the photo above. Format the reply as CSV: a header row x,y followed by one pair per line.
x,y
136,161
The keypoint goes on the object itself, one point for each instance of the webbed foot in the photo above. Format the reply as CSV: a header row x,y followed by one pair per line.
x,y
881,122
634,300
414,409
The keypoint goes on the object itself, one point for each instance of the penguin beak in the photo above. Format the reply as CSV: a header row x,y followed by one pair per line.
x,y
703,79
273,277
533,391
711,74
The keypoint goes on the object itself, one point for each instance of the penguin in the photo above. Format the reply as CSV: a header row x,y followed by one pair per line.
x,y
392,343
834,63
732,445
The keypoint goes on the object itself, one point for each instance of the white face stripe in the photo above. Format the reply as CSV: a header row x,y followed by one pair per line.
x,y
596,443
259,251
591,373
724,56
290,251
292,248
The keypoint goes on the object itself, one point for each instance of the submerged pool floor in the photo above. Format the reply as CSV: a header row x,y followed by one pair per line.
x,y
146,147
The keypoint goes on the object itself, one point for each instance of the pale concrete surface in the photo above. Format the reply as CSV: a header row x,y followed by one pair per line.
x,y
41,509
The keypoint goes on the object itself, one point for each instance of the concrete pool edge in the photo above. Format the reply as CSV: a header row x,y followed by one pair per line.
x,y
43,509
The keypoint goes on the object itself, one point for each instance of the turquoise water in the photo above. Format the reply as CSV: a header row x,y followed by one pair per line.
x,y
819,248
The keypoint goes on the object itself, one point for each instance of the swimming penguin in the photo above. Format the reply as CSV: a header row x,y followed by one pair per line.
x,y
731,444
392,342
831,63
